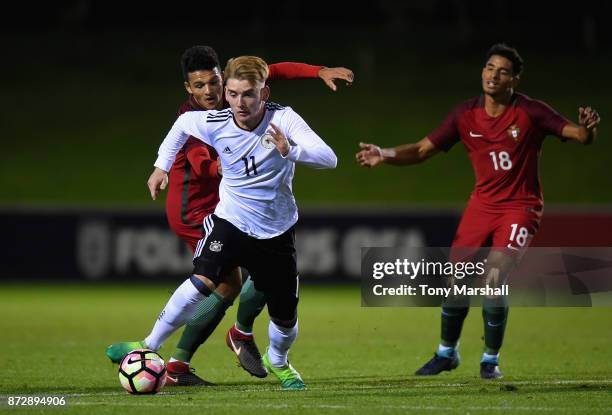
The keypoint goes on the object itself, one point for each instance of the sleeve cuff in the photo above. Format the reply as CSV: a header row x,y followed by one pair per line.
x,y
163,164
316,70
294,153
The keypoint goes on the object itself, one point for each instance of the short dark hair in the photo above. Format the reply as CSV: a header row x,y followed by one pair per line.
x,y
509,53
199,58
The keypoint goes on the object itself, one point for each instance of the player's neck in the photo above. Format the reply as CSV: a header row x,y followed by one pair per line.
x,y
251,124
496,105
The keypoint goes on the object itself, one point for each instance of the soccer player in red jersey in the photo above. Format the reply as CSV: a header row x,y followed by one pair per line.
x,y
193,193
502,131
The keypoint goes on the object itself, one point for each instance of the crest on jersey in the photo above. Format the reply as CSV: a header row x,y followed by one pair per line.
x,y
216,246
266,141
514,132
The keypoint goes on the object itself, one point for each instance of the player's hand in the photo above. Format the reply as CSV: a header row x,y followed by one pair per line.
x,y
370,155
330,75
588,117
279,140
219,169
157,180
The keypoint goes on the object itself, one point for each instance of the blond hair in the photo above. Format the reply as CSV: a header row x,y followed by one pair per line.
x,y
250,68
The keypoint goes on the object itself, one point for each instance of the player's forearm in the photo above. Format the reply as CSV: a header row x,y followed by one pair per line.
x,y
320,156
174,141
405,154
305,145
579,133
293,70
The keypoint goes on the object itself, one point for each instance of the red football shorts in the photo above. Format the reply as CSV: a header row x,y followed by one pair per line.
x,y
502,227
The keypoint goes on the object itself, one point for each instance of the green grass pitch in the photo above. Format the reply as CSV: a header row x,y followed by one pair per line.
x,y
354,360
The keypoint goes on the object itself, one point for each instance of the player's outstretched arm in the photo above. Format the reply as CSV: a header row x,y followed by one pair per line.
x,y
586,130
297,70
372,155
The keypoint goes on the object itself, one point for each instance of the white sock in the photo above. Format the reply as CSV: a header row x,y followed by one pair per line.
x,y
490,358
179,309
447,351
281,339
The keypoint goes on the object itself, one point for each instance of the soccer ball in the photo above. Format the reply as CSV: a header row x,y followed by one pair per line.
x,y
142,371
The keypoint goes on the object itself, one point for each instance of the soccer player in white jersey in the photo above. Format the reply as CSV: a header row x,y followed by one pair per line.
x,y
253,225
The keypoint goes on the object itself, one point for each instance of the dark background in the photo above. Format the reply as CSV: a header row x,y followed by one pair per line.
x,y
90,88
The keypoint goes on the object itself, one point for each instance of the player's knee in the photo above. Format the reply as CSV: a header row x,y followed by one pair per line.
x,y
493,276
203,284
498,267
500,261
495,303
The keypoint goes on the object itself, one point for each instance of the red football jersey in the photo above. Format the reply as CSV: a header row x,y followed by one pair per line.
x,y
193,190
504,150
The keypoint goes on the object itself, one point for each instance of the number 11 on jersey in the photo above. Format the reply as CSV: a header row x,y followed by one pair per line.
x,y
246,165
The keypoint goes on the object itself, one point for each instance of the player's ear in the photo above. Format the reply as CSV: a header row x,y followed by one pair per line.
x,y
515,81
265,93
187,87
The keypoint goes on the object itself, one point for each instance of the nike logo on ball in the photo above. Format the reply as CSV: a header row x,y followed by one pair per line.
x,y
130,361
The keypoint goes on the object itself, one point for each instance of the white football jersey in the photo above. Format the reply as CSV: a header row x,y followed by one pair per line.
x,y
255,192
